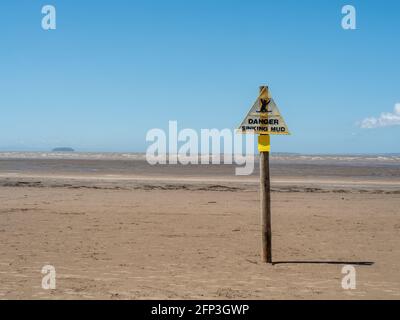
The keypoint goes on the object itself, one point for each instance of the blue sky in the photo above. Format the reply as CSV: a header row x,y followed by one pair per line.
x,y
112,70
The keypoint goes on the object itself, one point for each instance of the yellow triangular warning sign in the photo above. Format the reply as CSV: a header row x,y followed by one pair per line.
x,y
264,117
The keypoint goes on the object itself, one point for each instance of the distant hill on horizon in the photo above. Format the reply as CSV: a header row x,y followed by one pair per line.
x,y
63,149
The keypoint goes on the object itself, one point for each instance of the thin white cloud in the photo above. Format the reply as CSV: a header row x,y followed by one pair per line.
x,y
386,119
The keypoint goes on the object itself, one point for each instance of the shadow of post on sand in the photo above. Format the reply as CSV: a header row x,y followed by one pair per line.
x,y
355,263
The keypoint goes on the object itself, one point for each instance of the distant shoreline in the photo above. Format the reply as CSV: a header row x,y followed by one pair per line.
x,y
356,154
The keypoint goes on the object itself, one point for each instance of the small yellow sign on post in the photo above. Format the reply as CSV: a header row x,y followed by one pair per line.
x,y
264,143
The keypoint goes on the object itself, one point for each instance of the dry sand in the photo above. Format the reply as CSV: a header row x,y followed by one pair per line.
x,y
125,230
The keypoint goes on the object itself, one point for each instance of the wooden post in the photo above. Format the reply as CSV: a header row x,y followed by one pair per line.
x,y
265,196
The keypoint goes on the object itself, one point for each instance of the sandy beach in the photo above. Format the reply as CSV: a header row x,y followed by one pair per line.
x,y
117,228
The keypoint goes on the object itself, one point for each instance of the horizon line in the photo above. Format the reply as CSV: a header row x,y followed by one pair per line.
x,y
205,154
